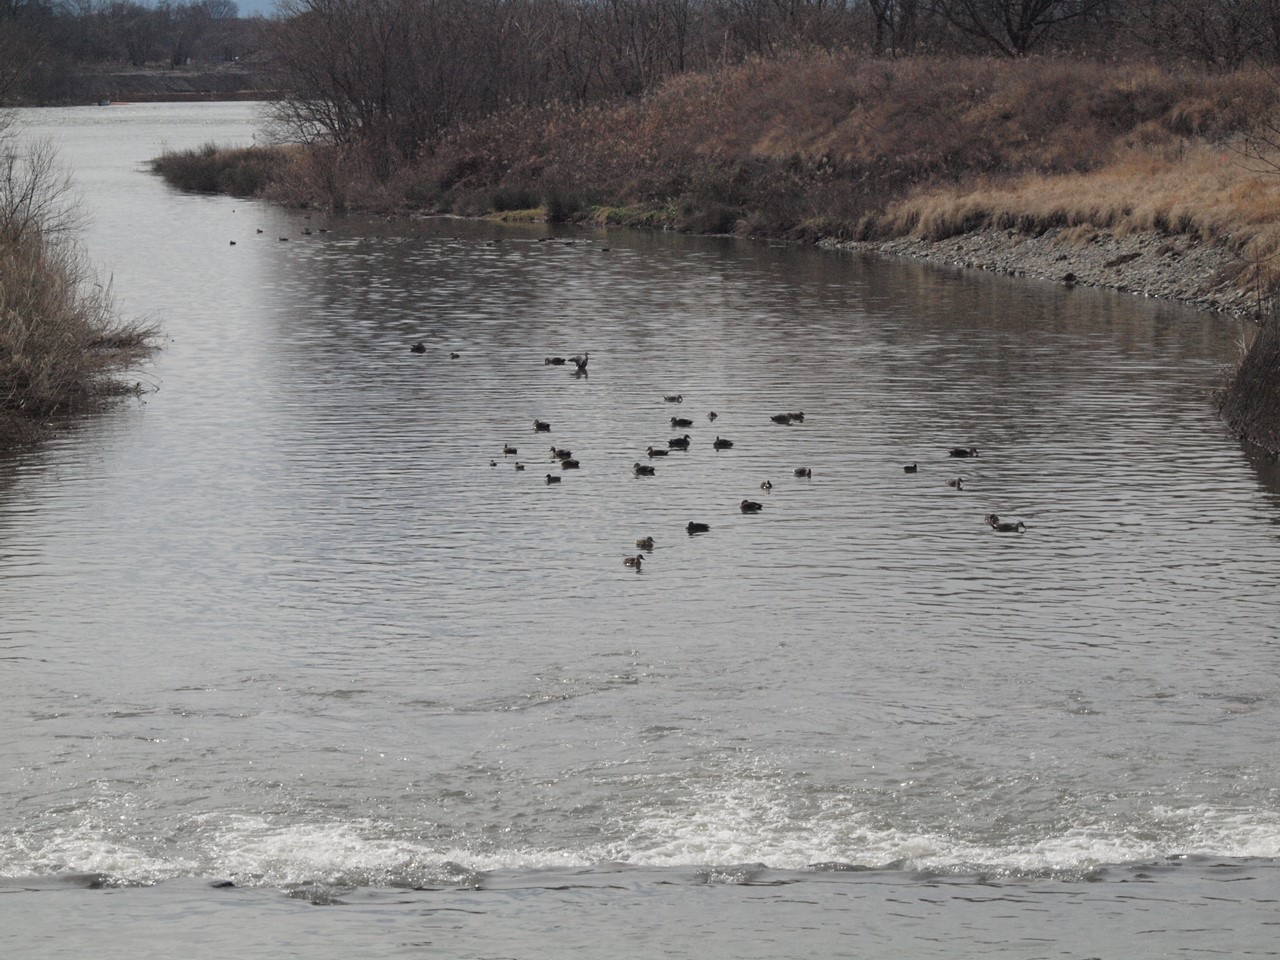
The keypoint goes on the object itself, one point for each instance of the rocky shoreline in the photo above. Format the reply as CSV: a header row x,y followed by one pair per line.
x,y
1174,268
1177,268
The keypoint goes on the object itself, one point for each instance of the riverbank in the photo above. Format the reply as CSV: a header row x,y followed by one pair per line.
x,y
194,83
1156,179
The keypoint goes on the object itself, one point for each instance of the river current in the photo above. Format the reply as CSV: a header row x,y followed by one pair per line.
x,y
297,662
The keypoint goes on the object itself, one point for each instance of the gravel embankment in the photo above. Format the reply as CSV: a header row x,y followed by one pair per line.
x,y
1175,268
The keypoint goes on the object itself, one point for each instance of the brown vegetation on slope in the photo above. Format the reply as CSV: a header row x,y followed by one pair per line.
x,y
856,147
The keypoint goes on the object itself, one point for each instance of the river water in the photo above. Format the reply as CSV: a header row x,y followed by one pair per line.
x,y
294,620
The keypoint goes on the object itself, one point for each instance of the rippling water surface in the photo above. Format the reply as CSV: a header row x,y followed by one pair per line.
x,y
295,620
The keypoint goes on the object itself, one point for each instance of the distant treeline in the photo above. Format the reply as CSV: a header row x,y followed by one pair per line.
x,y
44,43
389,75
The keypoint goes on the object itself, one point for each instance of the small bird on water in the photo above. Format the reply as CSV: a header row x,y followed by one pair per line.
x,y
1004,526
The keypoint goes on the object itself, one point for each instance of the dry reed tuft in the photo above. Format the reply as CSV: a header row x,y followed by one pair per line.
x,y
241,172
60,338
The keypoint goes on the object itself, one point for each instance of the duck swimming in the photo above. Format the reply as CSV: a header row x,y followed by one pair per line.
x,y
552,478
674,398
656,453
679,443
508,449
783,418
541,426
418,347
751,506
720,444
568,463
560,453
803,472
963,452
910,468
1004,526
681,422
553,361
634,561
694,527
645,543
766,486
644,470
958,483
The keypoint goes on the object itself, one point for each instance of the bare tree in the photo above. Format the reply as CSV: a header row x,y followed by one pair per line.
x,y
896,22
1014,27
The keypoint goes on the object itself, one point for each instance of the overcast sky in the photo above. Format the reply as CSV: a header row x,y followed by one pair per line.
x,y
249,7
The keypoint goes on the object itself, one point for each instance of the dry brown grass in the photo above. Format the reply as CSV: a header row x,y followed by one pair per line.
x,y
1202,191
826,143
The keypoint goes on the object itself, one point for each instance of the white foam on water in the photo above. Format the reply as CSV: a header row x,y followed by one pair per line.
x,y
756,822
744,823
88,849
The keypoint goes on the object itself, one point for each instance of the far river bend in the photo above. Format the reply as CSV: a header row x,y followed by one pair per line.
x,y
297,663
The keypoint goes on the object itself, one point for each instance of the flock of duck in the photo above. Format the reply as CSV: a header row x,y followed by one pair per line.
x,y
957,483
564,457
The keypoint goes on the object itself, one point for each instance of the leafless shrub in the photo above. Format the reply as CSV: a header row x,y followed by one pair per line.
x,y
60,338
